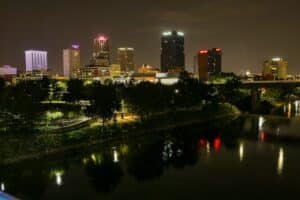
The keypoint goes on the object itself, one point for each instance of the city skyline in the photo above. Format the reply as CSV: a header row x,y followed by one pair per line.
x,y
241,29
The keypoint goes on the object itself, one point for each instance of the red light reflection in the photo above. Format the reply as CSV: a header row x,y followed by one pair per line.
x,y
262,136
217,144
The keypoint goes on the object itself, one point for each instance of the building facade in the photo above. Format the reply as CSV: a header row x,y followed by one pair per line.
x,y
203,60
125,57
275,69
115,70
36,60
172,51
209,63
7,70
71,61
101,52
215,62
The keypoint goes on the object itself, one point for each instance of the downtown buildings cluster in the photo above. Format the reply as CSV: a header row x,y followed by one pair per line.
x,y
207,63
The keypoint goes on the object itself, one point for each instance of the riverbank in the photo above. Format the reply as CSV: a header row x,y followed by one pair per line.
x,y
16,148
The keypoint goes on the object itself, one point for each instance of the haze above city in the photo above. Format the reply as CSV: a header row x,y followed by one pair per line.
x,y
249,32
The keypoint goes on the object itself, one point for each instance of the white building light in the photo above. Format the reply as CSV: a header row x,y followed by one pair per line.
x,y
180,33
167,33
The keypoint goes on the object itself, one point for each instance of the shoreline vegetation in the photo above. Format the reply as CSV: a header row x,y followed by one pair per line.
x,y
39,117
15,149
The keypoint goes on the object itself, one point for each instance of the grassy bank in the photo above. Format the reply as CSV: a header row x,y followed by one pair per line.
x,y
16,148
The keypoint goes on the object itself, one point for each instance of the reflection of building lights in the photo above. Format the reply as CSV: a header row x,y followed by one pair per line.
x,y
2,187
202,142
85,161
261,121
241,152
297,108
124,149
280,162
116,156
289,113
262,136
58,176
208,147
96,158
217,144
168,150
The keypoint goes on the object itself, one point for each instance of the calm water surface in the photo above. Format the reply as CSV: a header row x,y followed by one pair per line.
x,y
232,160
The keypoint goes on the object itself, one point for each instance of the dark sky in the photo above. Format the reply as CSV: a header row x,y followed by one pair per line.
x,y
248,31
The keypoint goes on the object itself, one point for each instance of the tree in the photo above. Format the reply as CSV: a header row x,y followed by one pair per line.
x,y
75,91
104,101
230,90
189,92
147,98
22,105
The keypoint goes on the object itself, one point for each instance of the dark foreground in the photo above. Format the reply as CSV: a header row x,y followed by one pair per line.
x,y
231,160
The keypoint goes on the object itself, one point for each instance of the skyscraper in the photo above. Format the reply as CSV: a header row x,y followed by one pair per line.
x,y
275,68
71,60
36,60
215,61
203,60
172,51
101,52
209,63
125,58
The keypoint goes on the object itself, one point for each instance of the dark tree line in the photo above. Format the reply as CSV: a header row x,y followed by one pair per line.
x,y
21,102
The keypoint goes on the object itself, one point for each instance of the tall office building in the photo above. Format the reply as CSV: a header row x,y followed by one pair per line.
x,y
209,63
36,60
215,61
101,52
275,69
172,51
125,57
203,60
71,60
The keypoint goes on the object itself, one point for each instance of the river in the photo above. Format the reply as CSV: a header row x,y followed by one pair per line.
x,y
230,159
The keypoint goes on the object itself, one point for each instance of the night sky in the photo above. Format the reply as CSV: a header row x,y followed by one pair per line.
x,y
248,31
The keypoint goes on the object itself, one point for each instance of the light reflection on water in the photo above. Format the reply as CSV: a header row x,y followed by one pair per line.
x,y
112,169
280,163
241,152
292,109
2,187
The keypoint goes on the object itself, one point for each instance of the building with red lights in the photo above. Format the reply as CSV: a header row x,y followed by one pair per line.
x,y
209,63
101,52
203,58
